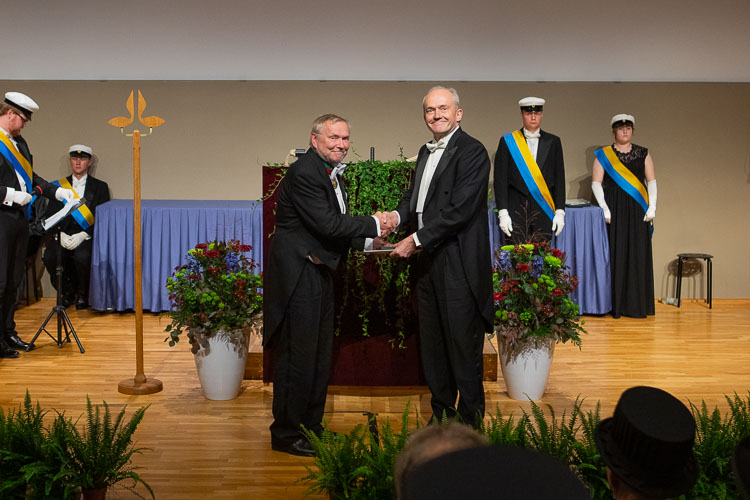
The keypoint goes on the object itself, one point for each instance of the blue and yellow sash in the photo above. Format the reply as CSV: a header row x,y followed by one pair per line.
x,y
623,177
20,164
82,214
530,172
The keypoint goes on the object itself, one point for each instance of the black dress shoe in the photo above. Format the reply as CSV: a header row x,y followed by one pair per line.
x,y
301,447
81,304
16,343
6,351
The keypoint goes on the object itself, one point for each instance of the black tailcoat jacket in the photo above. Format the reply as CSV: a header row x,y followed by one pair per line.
x,y
511,191
455,209
309,223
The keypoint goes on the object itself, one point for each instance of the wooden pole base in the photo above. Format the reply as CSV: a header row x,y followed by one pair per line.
x,y
130,386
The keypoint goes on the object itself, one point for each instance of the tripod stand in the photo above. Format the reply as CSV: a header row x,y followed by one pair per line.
x,y
63,321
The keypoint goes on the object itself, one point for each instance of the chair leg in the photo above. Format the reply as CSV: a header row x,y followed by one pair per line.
x,y
679,281
710,273
28,290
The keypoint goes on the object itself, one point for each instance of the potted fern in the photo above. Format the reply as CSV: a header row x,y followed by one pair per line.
x,y
101,454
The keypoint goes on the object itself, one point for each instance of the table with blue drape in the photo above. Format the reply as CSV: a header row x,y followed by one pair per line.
x,y
586,245
169,229
172,227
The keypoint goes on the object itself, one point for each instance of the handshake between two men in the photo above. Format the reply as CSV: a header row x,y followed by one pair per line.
x,y
389,222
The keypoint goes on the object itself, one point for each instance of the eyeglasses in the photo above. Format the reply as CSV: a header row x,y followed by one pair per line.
x,y
23,118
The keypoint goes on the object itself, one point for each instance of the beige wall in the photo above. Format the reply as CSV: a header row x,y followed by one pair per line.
x,y
218,134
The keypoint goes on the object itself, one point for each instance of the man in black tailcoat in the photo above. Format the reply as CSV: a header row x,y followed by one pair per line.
x,y
521,218
444,213
17,183
76,237
313,231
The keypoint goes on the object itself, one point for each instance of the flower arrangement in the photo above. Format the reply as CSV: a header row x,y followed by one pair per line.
x,y
218,289
531,294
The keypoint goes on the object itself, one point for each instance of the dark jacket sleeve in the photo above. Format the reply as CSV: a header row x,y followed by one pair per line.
x,y
318,214
558,194
500,180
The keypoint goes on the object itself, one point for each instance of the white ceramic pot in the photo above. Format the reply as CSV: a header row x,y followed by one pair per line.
x,y
525,368
221,366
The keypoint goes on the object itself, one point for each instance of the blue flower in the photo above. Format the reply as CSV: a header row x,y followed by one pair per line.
x,y
505,263
537,266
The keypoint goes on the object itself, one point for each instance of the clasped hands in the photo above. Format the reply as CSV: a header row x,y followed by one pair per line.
x,y
388,223
73,241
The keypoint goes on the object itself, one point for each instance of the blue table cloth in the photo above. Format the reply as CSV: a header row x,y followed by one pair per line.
x,y
586,245
169,228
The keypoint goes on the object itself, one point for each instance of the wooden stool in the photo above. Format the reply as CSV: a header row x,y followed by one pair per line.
x,y
709,272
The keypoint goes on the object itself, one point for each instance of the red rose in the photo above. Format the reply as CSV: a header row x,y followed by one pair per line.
x,y
556,291
523,267
212,254
201,246
556,253
499,296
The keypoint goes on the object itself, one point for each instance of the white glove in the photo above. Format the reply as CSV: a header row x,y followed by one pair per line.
x,y
64,194
74,240
506,225
651,212
65,241
596,187
21,198
558,221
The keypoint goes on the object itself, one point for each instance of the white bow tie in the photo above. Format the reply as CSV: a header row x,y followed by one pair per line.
x,y
339,169
433,146
532,135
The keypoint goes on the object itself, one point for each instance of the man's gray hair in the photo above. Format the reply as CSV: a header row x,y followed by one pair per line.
x,y
440,87
317,126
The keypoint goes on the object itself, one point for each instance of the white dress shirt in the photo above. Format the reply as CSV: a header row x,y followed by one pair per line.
x,y
532,139
79,185
429,172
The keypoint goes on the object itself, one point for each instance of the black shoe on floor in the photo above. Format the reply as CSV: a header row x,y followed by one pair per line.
x,y
68,300
6,351
301,447
17,344
82,304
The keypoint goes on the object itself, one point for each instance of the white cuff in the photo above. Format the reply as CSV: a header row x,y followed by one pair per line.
x,y
377,222
416,240
368,243
9,193
651,187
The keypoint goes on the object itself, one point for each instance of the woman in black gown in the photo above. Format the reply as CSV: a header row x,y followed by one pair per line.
x,y
629,221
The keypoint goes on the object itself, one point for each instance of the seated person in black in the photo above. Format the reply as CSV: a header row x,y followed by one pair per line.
x,y
77,231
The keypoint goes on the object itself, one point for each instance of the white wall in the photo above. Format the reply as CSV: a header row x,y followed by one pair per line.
x,y
471,40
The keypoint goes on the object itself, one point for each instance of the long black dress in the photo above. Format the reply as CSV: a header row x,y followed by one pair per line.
x,y
630,256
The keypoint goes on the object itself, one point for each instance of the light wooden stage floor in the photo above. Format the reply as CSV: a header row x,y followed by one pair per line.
x,y
221,449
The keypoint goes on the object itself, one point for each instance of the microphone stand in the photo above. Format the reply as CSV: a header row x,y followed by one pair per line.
x,y
63,320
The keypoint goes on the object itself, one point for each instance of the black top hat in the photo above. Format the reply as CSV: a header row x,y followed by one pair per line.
x,y
648,442
493,472
741,467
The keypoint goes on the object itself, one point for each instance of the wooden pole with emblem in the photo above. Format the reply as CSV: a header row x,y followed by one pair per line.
x,y
140,384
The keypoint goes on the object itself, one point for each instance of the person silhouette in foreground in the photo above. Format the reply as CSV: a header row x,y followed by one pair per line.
x,y
647,445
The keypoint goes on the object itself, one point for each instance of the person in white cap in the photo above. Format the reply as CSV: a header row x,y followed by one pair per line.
x,y
17,183
529,180
77,231
624,185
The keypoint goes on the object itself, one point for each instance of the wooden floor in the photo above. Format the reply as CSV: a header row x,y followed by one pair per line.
x,y
220,450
